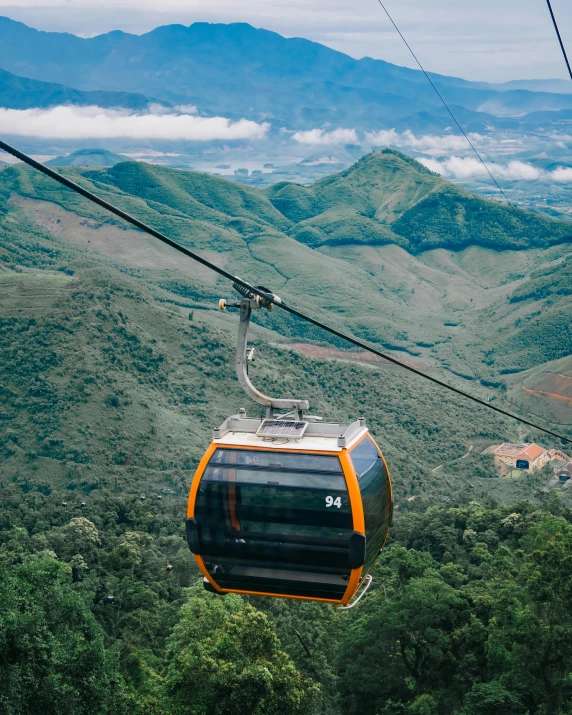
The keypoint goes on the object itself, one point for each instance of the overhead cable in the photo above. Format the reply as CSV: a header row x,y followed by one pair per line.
x,y
559,39
473,147
268,297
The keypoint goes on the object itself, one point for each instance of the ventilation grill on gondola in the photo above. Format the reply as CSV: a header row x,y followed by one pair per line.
x,y
282,428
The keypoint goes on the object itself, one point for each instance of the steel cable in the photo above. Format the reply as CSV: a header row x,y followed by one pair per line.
x,y
559,38
256,291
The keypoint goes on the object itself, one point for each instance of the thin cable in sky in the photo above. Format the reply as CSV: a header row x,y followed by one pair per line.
x,y
446,105
559,39
548,262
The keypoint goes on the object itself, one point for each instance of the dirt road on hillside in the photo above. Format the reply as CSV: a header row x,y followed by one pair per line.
x,y
317,351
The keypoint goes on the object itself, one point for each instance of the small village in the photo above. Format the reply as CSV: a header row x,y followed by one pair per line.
x,y
512,460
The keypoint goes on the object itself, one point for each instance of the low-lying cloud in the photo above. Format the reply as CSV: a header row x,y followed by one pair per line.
x,y
457,167
427,143
563,174
321,136
66,122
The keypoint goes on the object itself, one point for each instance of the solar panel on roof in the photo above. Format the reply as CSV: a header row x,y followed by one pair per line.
x,y
282,428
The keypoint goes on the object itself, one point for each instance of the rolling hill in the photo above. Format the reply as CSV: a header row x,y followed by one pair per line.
x,y
87,157
290,82
386,197
110,381
453,297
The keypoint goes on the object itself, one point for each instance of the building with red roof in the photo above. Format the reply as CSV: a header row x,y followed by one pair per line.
x,y
526,457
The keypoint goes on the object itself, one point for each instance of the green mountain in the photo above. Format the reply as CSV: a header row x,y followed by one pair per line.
x,y
114,367
445,291
24,93
87,157
386,197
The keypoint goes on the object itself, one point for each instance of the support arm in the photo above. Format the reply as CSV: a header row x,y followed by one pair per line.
x,y
270,403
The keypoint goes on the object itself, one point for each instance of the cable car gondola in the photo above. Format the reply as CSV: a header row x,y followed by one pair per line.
x,y
287,505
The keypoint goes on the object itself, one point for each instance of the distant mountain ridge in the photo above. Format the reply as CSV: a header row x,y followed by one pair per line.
x,y
23,93
88,157
239,71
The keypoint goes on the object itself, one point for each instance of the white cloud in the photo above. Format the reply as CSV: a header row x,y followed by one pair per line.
x,y
433,165
96,123
519,171
384,136
320,136
186,108
428,143
465,168
562,174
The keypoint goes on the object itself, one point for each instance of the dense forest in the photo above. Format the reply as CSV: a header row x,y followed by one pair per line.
x,y
469,615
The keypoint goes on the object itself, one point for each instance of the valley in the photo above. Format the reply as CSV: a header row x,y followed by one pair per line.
x,y
471,309
338,184
295,110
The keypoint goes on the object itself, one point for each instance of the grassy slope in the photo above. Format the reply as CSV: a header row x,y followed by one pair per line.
x,y
544,332
386,197
545,390
453,308
105,387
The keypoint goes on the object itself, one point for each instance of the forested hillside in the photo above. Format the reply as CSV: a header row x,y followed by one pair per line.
x,y
469,615
447,275
114,368
387,197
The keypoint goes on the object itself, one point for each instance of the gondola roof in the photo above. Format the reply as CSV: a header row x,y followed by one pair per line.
x,y
241,431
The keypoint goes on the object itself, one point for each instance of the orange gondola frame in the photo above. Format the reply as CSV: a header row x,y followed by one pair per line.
x,y
287,505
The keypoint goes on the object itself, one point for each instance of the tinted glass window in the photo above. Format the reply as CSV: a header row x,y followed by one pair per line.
x,y
277,460
376,496
275,522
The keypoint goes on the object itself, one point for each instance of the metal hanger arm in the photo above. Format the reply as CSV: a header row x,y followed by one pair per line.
x,y
270,403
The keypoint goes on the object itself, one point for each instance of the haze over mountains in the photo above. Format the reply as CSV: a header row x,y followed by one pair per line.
x,y
293,83
385,211
259,108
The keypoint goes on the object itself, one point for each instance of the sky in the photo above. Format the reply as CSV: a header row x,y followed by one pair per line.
x,y
488,40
